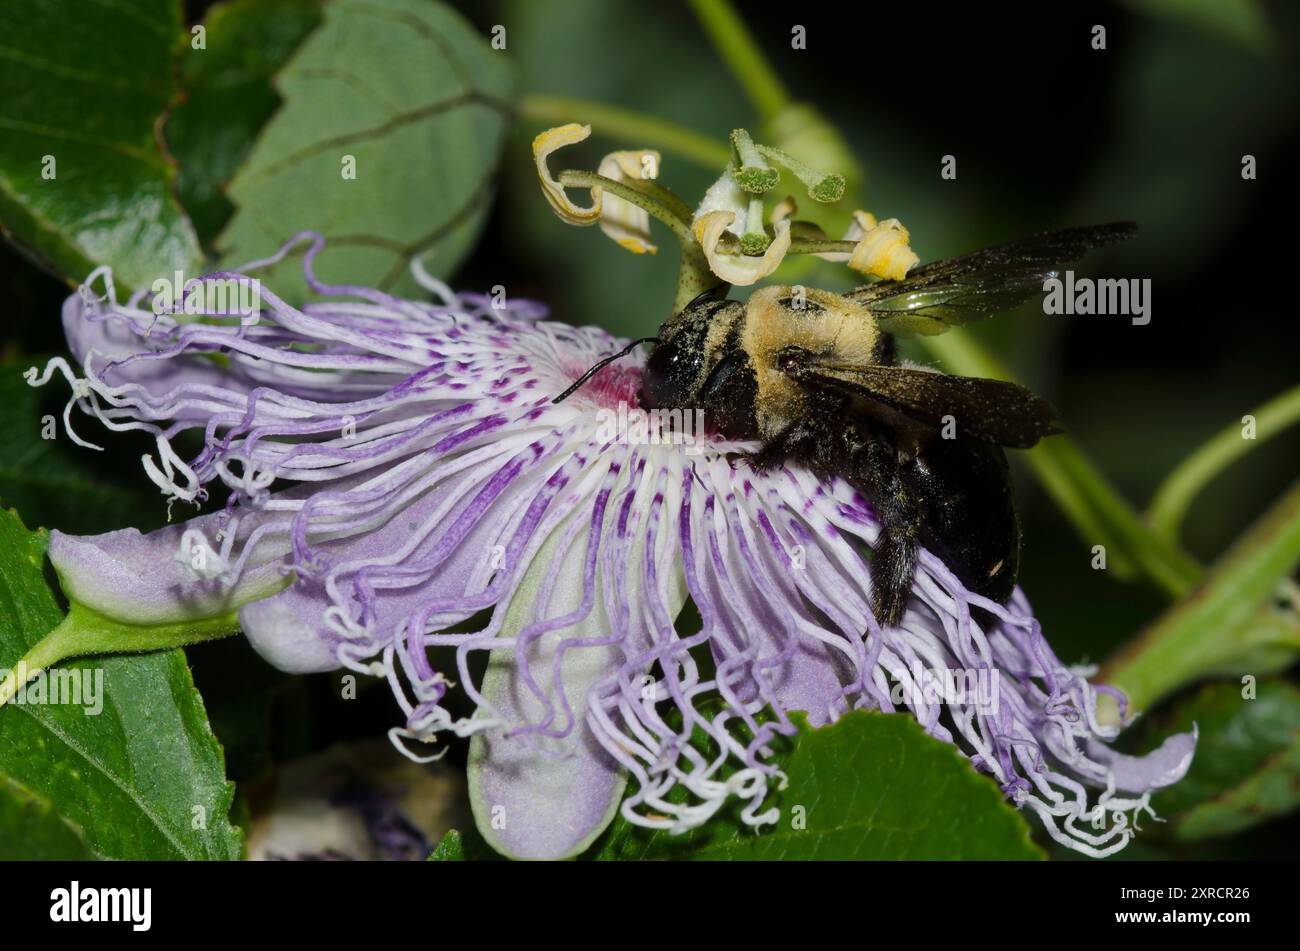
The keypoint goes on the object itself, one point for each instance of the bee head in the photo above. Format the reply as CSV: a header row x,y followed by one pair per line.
x,y
691,343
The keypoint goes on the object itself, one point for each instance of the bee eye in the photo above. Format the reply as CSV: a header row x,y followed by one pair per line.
x,y
657,388
790,357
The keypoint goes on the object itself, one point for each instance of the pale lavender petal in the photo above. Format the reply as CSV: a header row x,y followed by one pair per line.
x,y
1162,767
151,579
105,339
539,794
288,629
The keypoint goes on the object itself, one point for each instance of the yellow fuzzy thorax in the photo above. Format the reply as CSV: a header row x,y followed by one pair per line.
x,y
828,325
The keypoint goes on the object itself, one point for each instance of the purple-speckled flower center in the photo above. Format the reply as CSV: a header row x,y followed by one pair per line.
x,y
615,386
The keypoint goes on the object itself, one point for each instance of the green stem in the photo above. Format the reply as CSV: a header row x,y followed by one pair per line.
x,y
822,187
752,173
1227,625
746,153
42,655
1088,500
85,631
649,197
693,274
820,246
734,42
1172,500
617,123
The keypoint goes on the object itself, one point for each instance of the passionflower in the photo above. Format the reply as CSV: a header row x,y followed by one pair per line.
x,y
397,467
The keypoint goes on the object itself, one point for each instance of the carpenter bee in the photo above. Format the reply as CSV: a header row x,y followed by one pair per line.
x,y
814,378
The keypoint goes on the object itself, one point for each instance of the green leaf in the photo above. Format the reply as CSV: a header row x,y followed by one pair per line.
x,y
412,99
1170,502
85,85
450,849
241,693
31,830
457,846
56,483
870,786
144,778
1244,21
1229,625
1247,765
228,97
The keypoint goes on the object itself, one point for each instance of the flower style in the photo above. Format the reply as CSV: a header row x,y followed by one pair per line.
x,y
397,468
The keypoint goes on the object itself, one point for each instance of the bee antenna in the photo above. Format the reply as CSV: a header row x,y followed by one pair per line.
x,y
600,365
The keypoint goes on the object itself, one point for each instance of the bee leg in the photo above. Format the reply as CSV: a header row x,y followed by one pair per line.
x,y
790,442
893,563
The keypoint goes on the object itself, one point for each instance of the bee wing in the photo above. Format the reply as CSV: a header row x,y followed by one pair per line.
x,y
991,410
955,291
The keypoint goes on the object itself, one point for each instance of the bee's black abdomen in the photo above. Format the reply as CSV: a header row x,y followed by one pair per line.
x,y
969,519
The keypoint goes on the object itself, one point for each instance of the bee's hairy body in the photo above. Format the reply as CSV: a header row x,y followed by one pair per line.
x,y
738,363
812,377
